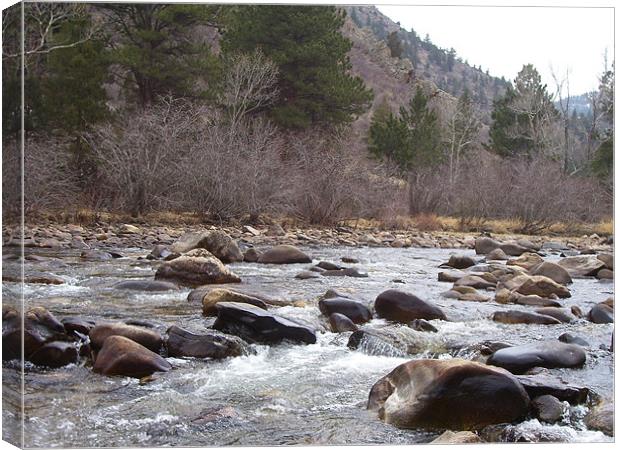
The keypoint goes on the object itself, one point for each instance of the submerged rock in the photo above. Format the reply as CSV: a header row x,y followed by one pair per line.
x,y
55,354
356,311
340,323
257,325
399,306
454,394
146,285
549,354
512,316
122,356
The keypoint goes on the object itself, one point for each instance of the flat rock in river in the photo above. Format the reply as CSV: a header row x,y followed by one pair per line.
x,y
549,354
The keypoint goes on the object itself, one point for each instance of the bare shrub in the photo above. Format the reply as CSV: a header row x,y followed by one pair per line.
x,y
139,154
427,222
48,180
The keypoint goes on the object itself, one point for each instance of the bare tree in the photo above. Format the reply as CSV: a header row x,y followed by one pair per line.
x,y
563,100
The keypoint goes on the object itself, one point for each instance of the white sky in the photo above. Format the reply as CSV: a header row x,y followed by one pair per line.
x,y
504,39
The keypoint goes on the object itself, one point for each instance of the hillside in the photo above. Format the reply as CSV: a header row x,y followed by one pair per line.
x,y
431,63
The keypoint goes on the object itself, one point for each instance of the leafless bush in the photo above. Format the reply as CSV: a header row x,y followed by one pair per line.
x,y
48,180
139,155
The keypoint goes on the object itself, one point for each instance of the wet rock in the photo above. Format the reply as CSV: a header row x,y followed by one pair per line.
x,y
95,255
349,260
455,394
549,354
332,293
216,414
284,254
329,265
562,314
607,259
461,262
307,275
422,325
553,271
55,354
474,297
512,317
216,296
257,325
378,343
543,287
451,276
354,310
601,313
146,285
548,408
459,437
159,252
399,306
40,327
513,249
34,278
78,324
605,274
251,255
581,266
601,418
122,356
484,245
218,243
497,255
182,343
475,282
340,323
526,260
348,272
542,384
572,339
196,268
532,300
143,336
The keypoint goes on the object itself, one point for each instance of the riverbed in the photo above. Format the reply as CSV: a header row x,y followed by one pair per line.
x,y
280,395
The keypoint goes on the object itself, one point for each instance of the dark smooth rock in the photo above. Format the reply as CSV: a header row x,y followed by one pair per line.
x,y
146,285
348,272
454,394
251,255
541,384
549,354
563,315
354,310
257,325
216,296
399,306
78,324
215,345
376,343
284,254
55,354
122,356
307,275
548,408
349,260
523,317
143,336
340,323
534,300
461,262
571,339
40,327
513,249
329,265
601,313
484,245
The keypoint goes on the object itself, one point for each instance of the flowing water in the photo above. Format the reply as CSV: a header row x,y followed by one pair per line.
x,y
284,394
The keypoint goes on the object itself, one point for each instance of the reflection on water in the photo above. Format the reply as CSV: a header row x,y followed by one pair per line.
x,y
285,394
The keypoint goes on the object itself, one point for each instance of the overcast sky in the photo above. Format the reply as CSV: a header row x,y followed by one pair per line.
x,y
503,39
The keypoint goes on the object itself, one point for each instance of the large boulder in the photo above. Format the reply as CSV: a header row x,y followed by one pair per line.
x,y
143,336
216,242
122,356
399,306
215,345
543,384
354,310
196,268
549,354
601,418
55,354
581,266
543,287
553,271
257,325
454,394
514,249
526,260
485,245
216,296
601,313
39,327
284,254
